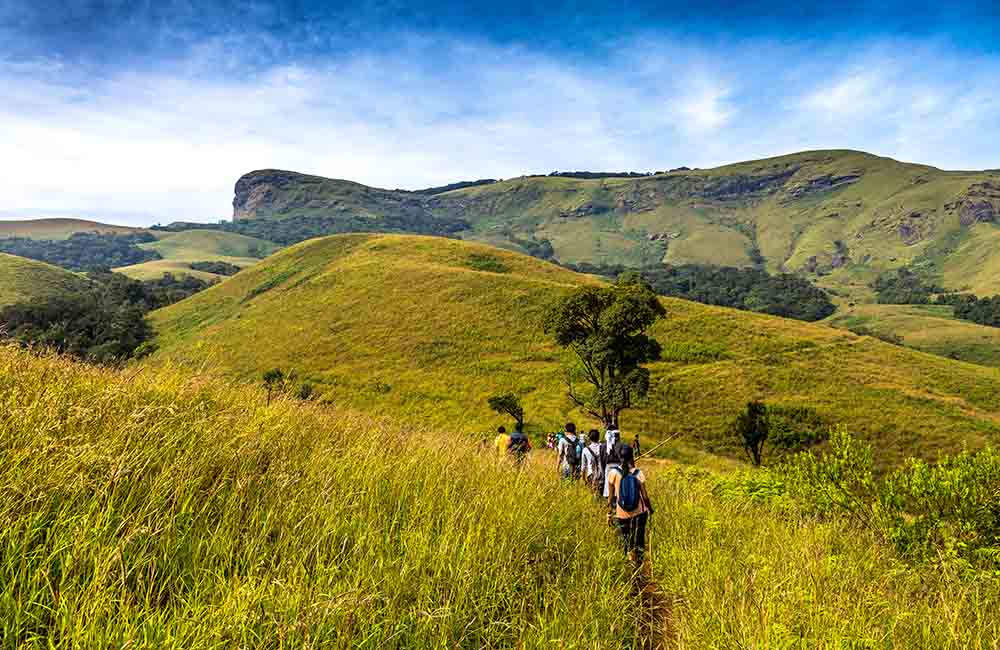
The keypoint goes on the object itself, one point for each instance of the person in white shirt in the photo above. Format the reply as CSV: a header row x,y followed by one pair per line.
x,y
593,472
568,459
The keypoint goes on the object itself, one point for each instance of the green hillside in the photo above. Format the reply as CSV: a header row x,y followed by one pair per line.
x,y
22,280
179,249
58,228
931,328
425,329
838,215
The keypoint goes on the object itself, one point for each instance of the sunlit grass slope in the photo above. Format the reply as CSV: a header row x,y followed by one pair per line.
x,y
180,249
23,279
415,327
153,509
57,228
932,328
741,575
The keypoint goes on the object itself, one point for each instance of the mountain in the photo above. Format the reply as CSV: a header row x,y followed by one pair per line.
x,y
58,228
23,279
837,216
426,328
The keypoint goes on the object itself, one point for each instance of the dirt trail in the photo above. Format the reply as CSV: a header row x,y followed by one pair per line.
x,y
657,615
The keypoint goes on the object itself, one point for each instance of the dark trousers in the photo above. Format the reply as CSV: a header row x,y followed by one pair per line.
x,y
633,532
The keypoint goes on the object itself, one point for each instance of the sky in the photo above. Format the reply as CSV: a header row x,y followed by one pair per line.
x,y
143,112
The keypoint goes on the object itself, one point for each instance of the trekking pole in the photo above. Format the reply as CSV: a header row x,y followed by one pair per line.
x,y
662,442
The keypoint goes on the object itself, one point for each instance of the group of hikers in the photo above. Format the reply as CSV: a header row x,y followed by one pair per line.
x,y
606,466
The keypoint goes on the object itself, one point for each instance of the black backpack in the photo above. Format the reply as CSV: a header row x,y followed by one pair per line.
x,y
574,452
614,457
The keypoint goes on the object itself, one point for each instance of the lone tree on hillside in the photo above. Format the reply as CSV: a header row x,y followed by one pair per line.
x,y
510,404
753,425
274,379
607,328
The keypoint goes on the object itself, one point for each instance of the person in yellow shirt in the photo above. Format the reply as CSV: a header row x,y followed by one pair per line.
x,y
628,505
502,441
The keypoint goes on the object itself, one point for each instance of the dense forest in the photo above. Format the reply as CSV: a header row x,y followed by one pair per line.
x,y
104,324
904,287
84,251
984,311
216,267
741,288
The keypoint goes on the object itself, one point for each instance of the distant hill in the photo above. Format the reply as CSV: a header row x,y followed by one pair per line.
x,y
180,249
58,228
23,279
837,216
427,328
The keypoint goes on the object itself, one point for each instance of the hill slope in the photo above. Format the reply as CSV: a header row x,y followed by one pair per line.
x,y
839,214
58,228
23,279
179,249
427,328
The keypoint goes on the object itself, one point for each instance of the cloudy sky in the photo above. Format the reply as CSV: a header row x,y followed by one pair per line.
x,y
143,112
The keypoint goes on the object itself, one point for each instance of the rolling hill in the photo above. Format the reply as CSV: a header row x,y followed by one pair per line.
x,y
426,328
837,216
22,279
179,249
58,228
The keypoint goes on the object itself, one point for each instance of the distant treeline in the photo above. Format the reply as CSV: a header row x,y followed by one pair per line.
x,y
218,268
292,230
749,289
591,175
84,251
430,191
905,287
104,323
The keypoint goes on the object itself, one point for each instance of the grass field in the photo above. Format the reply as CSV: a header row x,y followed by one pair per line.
x,y
931,328
57,228
412,327
160,508
180,249
23,279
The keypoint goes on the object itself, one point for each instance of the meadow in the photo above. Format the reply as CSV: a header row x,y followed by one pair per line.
x,y
23,279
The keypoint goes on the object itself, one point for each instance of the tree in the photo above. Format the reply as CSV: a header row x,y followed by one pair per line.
x,y
510,404
606,327
753,425
274,379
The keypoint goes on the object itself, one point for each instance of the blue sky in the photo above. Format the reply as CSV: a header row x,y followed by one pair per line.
x,y
140,112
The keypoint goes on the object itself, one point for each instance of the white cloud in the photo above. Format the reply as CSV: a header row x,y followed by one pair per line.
x,y
170,144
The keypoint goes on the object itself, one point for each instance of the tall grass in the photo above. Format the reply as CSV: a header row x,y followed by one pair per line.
x,y
151,510
742,575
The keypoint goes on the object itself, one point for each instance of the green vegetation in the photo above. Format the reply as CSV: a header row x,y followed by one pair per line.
x,y
982,311
400,325
752,427
216,268
607,328
750,289
102,320
153,509
204,253
508,404
25,280
84,251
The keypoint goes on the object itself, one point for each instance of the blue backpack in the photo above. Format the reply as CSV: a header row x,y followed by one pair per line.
x,y
629,490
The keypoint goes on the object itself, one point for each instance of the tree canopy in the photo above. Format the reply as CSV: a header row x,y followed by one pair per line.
x,y
607,328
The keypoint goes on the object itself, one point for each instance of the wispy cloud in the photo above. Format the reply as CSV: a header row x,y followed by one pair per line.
x,y
169,143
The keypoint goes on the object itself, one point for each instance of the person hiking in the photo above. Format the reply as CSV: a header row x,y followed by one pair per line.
x,y
593,473
628,505
635,446
502,441
518,444
611,455
568,459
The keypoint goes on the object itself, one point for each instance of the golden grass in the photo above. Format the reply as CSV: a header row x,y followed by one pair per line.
x,y
406,326
58,228
23,279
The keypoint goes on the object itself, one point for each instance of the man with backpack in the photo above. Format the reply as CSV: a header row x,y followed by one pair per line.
x,y
593,473
518,445
570,453
628,505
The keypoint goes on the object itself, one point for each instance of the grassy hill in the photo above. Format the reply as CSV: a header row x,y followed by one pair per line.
x,y
58,228
160,509
22,279
839,215
931,328
180,249
425,329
